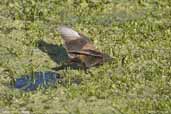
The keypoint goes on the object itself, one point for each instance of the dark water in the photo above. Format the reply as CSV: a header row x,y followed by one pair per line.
x,y
37,80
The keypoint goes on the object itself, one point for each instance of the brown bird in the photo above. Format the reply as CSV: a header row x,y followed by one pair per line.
x,y
80,49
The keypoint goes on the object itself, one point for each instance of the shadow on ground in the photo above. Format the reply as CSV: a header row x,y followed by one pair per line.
x,y
36,80
40,80
58,54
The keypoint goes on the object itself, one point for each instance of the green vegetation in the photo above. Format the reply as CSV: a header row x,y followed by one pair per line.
x,y
137,33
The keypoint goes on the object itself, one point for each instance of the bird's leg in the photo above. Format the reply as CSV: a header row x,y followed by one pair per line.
x,y
85,68
83,65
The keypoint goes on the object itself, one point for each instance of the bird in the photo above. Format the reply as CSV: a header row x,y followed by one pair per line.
x,y
80,49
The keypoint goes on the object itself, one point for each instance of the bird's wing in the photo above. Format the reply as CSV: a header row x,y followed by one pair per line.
x,y
75,40
87,53
93,53
68,33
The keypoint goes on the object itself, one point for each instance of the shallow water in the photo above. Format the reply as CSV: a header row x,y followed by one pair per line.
x,y
37,80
